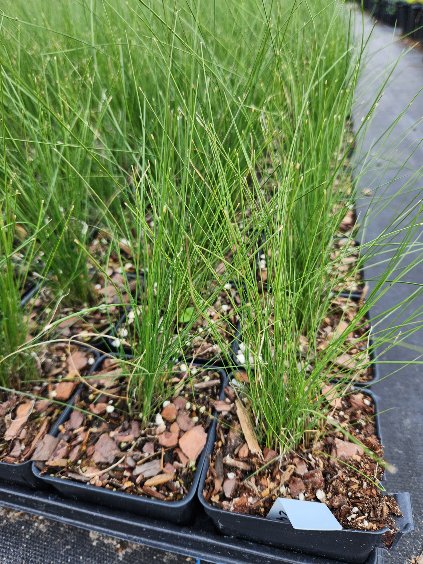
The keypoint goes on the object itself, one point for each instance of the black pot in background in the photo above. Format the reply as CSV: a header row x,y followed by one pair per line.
x,y
377,8
402,15
388,12
416,11
180,512
345,545
411,23
19,474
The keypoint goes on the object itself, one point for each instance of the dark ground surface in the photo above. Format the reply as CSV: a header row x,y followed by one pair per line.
x,y
401,394
31,540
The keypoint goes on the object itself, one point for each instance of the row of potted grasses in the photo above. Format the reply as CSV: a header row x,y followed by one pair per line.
x,y
150,154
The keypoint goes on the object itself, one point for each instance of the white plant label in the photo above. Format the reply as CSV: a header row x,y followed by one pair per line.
x,y
304,515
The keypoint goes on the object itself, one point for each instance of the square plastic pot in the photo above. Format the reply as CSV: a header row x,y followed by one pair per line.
x,y
413,18
180,512
346,545
402,15
22,473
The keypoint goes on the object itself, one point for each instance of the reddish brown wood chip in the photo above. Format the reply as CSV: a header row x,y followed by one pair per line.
x,y
158,480
76,419
148,469
345,449
346,361
168,439
153,493
23,411
296,486
193,442
57,462
169,413
228,461
105,451
77,360
98,408
229,487
64,390
247,429
45,448
184,421
205,385
222,406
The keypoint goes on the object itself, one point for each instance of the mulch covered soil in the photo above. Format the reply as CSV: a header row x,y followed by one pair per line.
x,y
103,445
26,418
206,336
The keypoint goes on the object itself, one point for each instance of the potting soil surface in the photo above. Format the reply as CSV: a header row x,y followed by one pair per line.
x,y
26,539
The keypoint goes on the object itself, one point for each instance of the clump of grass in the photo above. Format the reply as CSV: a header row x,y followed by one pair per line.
x,y
49,172
89,82
307,195
16,364
166,94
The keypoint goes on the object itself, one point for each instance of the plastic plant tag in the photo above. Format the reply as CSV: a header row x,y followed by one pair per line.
x,y
304,515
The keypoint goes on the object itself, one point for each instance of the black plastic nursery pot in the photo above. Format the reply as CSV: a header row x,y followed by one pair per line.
x,y
417,18
180,512
377,8
402,15
413,20
346,545
22,473
372,6
387,12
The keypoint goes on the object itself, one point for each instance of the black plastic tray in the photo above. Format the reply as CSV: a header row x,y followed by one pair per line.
x,y
181,511
199,540
20,474
345,545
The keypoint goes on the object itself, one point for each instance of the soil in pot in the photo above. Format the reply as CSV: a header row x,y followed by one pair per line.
x,y
108,289
26,417
345,256
103,445
202,343
330,469
353,360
